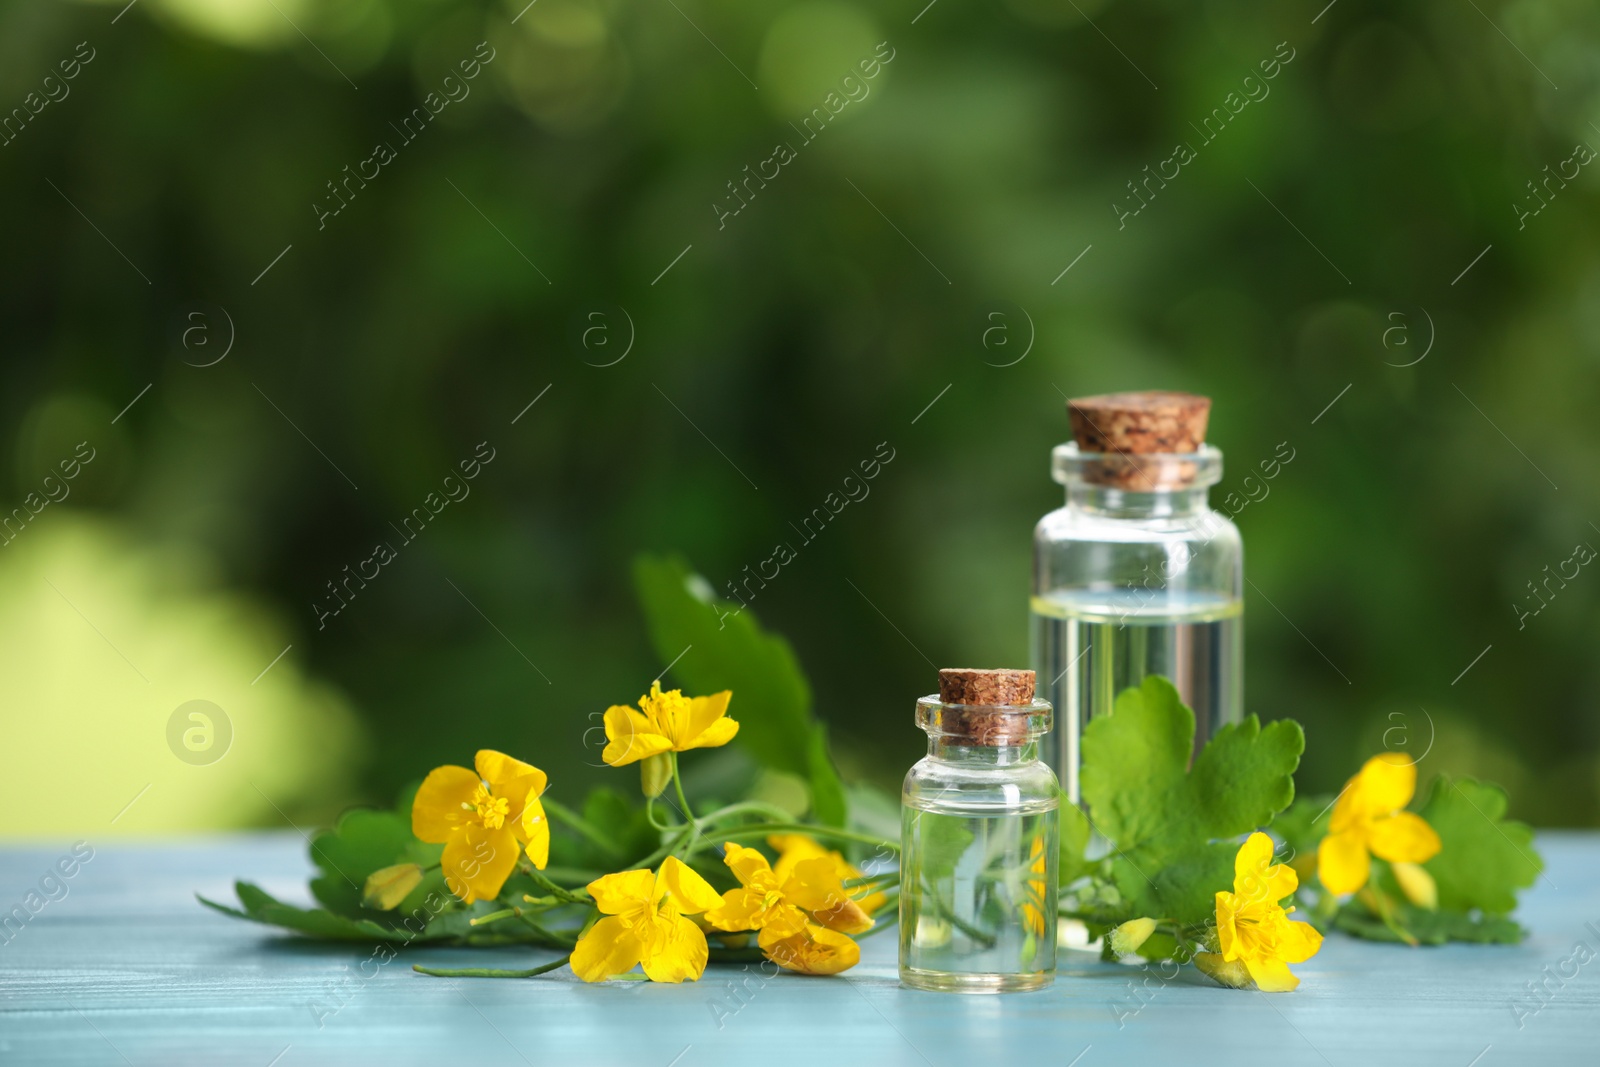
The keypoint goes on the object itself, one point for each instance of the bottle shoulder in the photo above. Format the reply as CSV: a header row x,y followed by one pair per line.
x,y
936,782
1067,524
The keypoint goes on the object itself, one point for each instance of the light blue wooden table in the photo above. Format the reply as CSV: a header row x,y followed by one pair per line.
x,y
127,968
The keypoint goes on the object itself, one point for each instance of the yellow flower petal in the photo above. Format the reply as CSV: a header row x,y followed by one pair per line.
x,y
738,909
615,894
1342,862
815,885
1227,926
778,922
1417,884
707,728
1403,837
443,803
675,951
609,948
630,737
1384,784
690,892
792,848
745,863
508,777
717,734
814,950
1256,877
1272,976
477,861
1297,942
535,827
847,917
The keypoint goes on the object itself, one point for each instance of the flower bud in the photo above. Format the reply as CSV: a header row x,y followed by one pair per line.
x,y
385,889
654,774
1126,939
1233,973
1417,884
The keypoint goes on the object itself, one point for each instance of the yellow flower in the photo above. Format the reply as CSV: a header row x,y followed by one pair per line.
x,y
792,913
1367,818
645,922
666,722
484,820
793,848
1033,904
1253,929
815,950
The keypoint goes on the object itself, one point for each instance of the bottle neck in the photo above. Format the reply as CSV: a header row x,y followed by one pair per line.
x,y
1121,504
948,750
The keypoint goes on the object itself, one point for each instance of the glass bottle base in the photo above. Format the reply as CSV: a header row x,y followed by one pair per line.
x,y
949,982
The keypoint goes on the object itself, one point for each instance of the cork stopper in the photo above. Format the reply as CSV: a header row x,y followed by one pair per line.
x,y
996,705
1140,423
1123,427
964,685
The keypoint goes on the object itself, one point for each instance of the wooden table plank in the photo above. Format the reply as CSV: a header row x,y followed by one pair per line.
x,y
127,968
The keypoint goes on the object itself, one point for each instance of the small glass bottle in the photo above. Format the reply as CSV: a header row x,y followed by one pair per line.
x,y
1136,575
979,840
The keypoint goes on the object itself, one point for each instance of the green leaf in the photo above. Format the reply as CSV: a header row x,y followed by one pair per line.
x,y
260,906
1164,819
1074,842
1429,927
362,841
719,645
941,839
621,822
1485,857
1302,826
450,924
828,802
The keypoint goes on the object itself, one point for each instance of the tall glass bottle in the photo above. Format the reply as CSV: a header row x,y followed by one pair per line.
x,y
979,840
1136,574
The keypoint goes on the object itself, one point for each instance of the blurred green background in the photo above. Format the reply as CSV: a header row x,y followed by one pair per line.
x,y
563,230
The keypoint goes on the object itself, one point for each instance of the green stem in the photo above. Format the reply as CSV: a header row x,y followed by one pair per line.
x,y
683,801
667,849
583,826
757,830
771,811
888,879
571,896
650,814
983,937
891,919
487,972
763,829
579,875
564,940
494,917
1380,904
